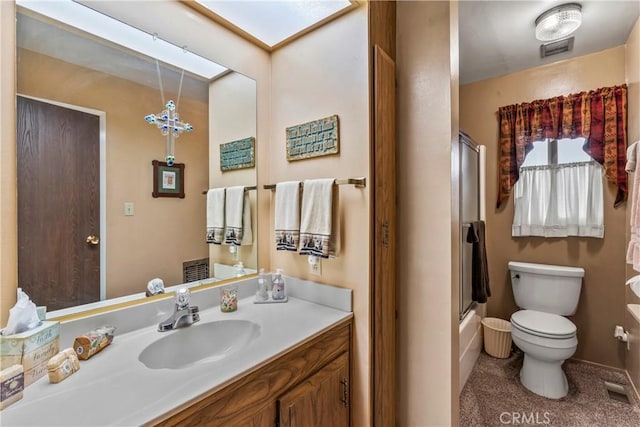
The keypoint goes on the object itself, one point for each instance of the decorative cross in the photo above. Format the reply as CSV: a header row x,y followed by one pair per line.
x,y
171,127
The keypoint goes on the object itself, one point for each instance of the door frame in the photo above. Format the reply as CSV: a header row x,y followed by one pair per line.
x,y
382,294
103,181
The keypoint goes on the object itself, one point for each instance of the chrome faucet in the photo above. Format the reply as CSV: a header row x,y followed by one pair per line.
x,y
183,314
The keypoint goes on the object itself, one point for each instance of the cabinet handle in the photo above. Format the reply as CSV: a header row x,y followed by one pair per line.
x,y
345,392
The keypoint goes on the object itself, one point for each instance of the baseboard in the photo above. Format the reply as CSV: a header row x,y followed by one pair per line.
x,y
600,365
633,386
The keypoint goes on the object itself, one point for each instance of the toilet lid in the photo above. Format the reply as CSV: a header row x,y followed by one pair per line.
x,y
543,324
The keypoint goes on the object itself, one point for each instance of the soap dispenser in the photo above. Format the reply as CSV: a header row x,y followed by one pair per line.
x,y
277,291
239,269
262,293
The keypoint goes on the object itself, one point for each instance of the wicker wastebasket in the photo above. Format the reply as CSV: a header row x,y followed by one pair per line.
x,y
497,337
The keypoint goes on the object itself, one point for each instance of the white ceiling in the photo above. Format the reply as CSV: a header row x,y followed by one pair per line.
x,y
498,37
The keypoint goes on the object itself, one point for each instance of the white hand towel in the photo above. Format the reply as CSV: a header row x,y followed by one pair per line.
x,y
237,217
632,157
247,233
633,250
317,225
287,216
215,215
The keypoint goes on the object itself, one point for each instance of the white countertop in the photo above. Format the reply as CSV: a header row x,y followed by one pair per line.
x,y
115,388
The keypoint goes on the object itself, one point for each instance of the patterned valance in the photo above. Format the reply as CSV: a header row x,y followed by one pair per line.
x,y
599,116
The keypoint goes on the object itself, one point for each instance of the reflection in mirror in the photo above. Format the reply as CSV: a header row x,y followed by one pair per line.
x,y
88,226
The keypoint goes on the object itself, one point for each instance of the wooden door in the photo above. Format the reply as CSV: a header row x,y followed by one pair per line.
x,y
58,204
320,401
384,281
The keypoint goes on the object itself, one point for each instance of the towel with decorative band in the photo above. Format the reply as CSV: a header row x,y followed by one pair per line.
x,y
215,215
237,217
287,216
317,228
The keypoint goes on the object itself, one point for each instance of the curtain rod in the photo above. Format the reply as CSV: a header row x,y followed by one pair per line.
x,y
358,182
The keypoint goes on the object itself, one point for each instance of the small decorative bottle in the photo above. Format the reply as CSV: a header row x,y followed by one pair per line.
x,y
261,293
277,290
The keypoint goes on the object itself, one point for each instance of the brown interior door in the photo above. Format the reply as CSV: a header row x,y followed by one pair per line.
x,y
58,204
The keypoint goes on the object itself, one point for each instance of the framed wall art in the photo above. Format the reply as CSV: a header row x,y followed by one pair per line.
x,y
238,154
168,181
313,139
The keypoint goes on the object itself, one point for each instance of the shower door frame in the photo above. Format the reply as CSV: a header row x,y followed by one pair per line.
x,y
466,143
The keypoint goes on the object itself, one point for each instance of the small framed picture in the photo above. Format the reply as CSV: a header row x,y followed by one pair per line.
x,y
168,181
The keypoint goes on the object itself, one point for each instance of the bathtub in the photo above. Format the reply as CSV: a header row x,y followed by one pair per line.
x,y
470,341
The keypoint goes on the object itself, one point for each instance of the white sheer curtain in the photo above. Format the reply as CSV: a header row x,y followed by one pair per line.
x,y
559,201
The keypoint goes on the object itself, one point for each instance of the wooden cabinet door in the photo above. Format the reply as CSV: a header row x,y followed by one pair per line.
x,y
320,401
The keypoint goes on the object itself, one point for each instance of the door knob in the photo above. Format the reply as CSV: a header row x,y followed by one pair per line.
x,y
93,240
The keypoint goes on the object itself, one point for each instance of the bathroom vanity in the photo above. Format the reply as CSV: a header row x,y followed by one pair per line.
x,y
308,385
291,363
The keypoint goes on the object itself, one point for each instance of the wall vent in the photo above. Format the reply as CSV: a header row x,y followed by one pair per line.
x,y
554,48
197,269
617,392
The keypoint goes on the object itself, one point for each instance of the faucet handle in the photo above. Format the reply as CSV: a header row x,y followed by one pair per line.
x,y
183,296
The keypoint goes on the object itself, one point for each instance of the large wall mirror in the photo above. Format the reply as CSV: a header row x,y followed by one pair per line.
x,y
89,229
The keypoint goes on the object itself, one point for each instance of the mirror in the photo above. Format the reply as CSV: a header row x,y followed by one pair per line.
x,y
74,83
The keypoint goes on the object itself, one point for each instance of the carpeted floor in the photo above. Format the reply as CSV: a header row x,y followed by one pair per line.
x,y
493,396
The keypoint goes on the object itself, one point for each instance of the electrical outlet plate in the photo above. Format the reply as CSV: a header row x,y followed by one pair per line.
x,y
316,269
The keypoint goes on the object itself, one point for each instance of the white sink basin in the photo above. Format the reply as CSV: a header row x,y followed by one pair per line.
x,y
199,343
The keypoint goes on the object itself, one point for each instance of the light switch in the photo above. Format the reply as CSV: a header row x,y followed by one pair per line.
x,y
128,208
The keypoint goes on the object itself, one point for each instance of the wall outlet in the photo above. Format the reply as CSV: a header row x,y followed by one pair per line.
x,y
316,269
128,208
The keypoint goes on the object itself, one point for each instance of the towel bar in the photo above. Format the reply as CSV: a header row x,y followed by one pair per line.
x,y
357,182
253,187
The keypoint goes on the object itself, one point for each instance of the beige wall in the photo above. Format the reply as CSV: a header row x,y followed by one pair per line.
x,y
633,84
601,302
8,176
232,116
136,245
427,132
325,73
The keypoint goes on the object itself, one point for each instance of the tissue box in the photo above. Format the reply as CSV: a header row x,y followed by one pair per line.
x,y
31,349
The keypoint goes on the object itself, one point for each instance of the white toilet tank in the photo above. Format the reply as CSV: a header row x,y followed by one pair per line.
x,y
548,288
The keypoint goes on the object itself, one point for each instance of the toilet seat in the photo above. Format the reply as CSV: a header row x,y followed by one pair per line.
x,y
545,325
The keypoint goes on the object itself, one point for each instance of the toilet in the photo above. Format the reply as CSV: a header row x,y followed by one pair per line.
x,y
545,293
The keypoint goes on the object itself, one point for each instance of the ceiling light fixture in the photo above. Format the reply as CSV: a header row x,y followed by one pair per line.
x,y
558,22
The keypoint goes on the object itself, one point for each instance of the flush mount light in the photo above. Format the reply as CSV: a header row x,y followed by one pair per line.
x,y
558,22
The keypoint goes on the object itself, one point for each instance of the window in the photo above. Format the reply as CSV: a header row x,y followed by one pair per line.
x,y
552,152
559,192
